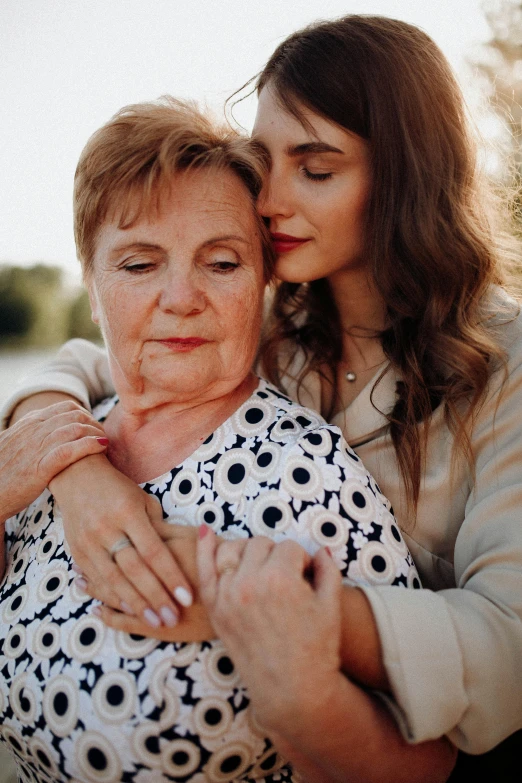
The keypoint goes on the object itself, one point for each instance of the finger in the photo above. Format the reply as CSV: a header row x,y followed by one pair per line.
x,y
98,590
291,557
147,586
256,554
110,574
228,556
208,577
66,454
165,579
327,581
122,622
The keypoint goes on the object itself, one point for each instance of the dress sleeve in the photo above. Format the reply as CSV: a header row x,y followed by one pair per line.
x,y
454,657
326,497
80,369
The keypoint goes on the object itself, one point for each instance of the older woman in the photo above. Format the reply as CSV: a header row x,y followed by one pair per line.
x,y
175,259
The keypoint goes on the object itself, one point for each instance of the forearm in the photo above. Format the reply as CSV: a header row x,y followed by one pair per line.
x,y
361,655
36,402
345,729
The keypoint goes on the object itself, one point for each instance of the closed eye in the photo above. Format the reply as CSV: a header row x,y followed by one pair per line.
x,y
316,177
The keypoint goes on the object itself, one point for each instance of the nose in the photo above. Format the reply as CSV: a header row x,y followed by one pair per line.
x,y
181,293
275,198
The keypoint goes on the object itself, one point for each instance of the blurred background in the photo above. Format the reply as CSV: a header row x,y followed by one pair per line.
x,y
67,65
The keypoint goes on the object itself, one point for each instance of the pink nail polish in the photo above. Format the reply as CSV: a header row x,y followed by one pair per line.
x,y
202,532
103,441
151,618
81,584
97,611
168,616
126,608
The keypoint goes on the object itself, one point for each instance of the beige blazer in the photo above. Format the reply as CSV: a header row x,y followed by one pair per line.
x,y
453,651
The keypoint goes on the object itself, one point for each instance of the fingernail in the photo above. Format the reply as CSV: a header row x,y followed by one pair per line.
x,y
76,569
151,618
126,608
81,584
203,530
103,441
168,616
182,595
328,551
97,611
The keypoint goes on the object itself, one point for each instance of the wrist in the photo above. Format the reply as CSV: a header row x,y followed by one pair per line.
x,y
62,480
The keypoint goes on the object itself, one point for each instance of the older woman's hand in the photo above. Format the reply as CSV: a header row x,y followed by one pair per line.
x,y
41,445
101,507
193,626
278,612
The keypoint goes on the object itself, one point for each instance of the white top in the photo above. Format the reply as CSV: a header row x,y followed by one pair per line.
x,y
453,652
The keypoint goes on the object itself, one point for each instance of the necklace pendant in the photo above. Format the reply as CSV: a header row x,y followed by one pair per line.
x,y
351,377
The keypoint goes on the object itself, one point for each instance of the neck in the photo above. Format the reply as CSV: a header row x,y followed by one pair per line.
x,y
363,317
147,442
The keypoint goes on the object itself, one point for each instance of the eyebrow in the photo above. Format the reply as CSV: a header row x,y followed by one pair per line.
x,y
312,147
131,246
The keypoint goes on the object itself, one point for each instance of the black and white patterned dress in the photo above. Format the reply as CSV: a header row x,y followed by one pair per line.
x,y
82,702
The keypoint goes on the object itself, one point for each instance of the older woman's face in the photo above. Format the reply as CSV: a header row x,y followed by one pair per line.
x,y
179,295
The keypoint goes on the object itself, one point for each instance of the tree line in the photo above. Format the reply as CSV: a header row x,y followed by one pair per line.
x,y
38,310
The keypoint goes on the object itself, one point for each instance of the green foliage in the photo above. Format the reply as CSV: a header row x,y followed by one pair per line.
x,y
36,308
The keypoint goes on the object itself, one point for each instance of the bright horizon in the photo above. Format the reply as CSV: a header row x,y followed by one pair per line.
x,y
67,66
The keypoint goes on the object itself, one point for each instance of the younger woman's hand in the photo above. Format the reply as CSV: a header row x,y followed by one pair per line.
x,y
101,507
41,445
278,612
193,625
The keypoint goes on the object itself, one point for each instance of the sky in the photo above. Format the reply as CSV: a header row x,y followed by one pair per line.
x,y
67,65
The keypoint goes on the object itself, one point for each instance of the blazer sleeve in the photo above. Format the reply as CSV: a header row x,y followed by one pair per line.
x,y
80,369
454,657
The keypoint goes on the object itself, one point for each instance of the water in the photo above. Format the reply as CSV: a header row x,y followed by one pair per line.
x,y
15,365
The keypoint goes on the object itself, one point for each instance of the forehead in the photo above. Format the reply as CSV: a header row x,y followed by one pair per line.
x,y
277,128
196,202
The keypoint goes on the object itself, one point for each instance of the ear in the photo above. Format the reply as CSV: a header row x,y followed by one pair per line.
x,y
93,299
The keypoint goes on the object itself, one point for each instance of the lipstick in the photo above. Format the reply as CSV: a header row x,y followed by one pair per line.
x,y
283,243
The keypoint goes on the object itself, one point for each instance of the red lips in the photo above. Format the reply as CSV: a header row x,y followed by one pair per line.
x,y
183,344
283,243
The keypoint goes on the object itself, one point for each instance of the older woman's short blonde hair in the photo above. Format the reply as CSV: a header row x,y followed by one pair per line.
x,y
128,164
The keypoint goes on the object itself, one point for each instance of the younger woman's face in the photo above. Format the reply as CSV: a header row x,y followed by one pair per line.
x,y
316,193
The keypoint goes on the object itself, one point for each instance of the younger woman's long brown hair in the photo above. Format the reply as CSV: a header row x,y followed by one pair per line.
x,y
429,243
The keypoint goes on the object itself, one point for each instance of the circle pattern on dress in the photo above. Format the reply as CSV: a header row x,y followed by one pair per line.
x,y
97,758
301,478
358,501
15,642
266,462
231,473
185,488
253,417
46,640
15,605
329,529
180,758
114,697
23,700
212,717
60,705
86,638
53,583
376,564
270,514
210,514
229,763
